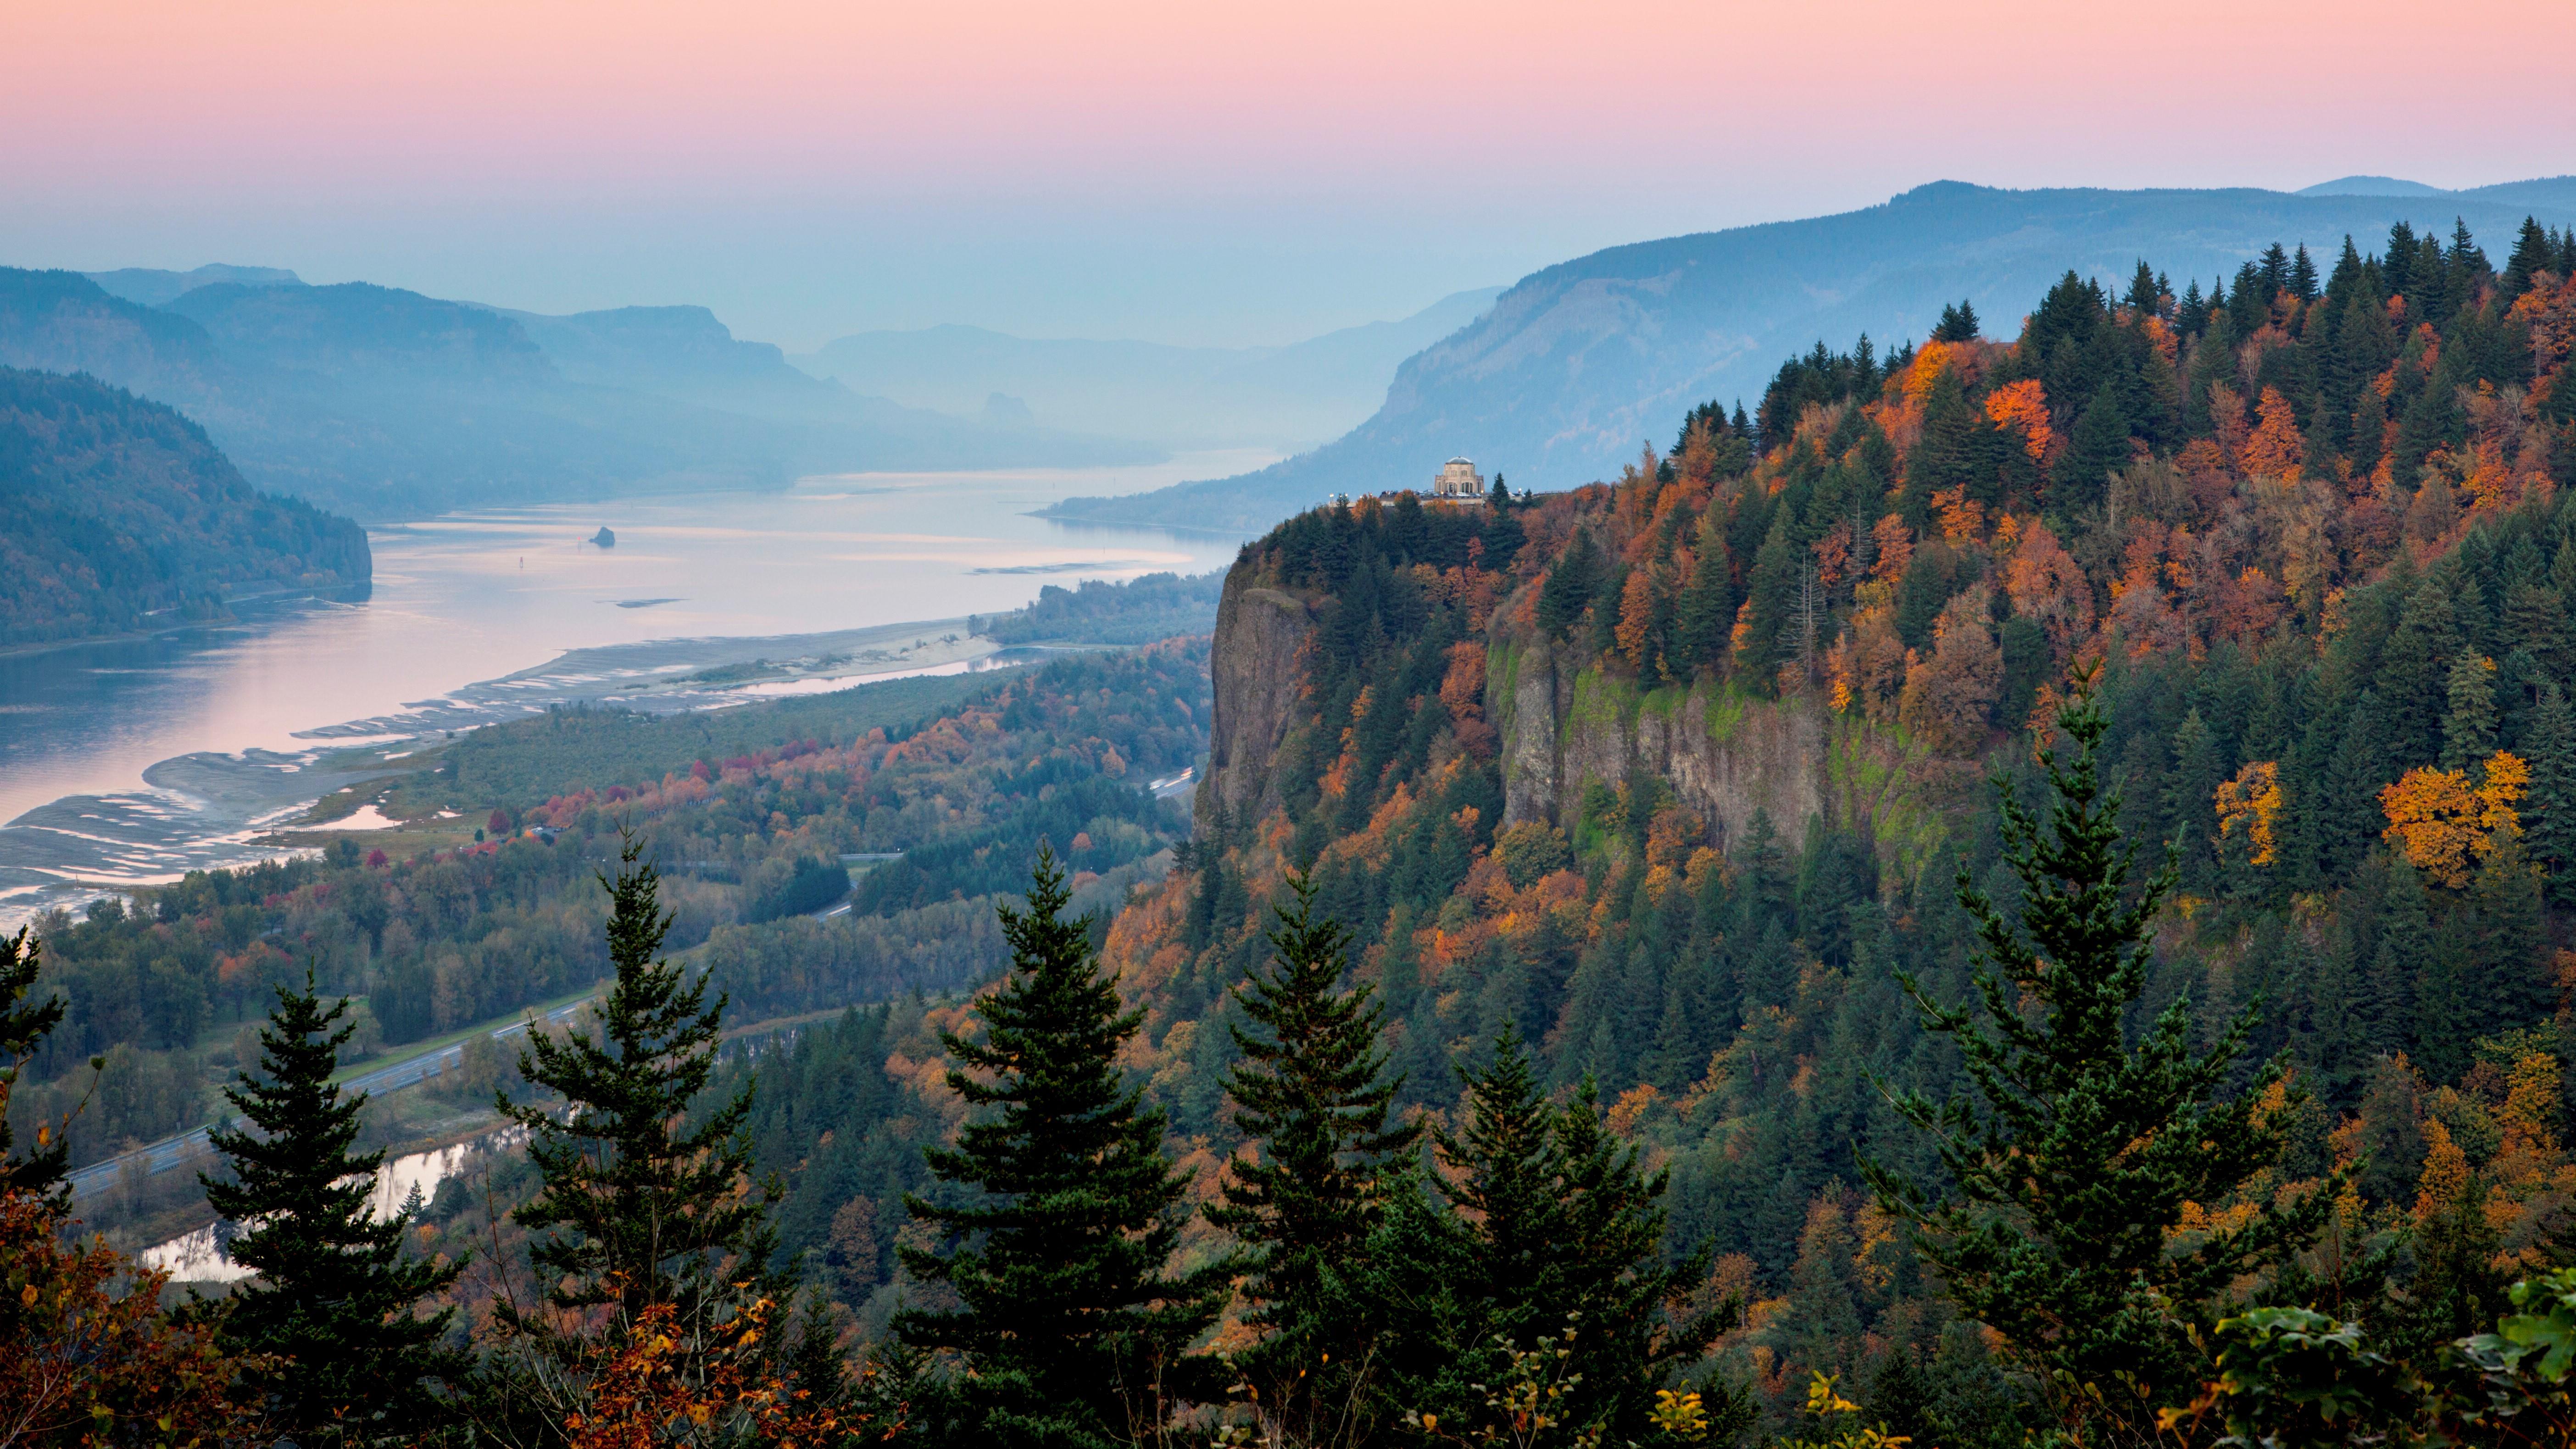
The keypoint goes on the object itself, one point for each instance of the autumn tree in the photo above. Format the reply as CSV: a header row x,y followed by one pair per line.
x,y
2075,1161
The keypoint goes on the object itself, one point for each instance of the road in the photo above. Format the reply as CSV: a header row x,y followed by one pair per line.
x,y
169,1152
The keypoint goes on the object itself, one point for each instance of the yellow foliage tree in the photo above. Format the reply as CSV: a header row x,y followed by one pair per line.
x,y
2247,806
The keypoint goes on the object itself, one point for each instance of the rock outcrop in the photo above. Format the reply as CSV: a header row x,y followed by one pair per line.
x,y
1726,754
1258,676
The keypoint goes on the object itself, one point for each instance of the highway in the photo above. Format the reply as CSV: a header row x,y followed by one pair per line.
x,y
169,1152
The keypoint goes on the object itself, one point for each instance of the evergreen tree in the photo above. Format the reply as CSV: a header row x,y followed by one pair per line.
x,y
1570,586
2549,809
1555,1225
2098,447
2403,962
334,1298
2076,1162
1705,616
643,1198
1065,1313
2469,726
24,1025
1312,1092
1957,324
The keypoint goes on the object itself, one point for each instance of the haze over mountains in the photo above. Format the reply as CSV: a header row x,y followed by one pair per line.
x,y
384,403
1579,365
1180,397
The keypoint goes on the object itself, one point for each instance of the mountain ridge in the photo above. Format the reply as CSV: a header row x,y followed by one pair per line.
x,y
1581,362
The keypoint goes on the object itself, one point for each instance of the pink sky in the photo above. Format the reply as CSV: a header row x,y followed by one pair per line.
x,y
1320,162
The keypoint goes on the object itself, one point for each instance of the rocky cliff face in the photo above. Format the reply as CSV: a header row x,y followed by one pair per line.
x,y
1725,754
1258,676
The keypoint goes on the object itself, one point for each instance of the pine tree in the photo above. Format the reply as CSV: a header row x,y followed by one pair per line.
x,y
2083,1147
24,1025
1312,1092
643,1199
1957,324
2469,726
334,1297
2549,810
1066,1314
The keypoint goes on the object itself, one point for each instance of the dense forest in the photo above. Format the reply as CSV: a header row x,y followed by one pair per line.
x,y
1912,1111
2308,523
117,513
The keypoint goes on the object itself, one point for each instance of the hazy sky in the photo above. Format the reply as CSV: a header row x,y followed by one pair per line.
x,y
1201,172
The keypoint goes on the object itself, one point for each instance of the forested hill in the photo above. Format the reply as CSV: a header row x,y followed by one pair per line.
x,y
1674,774
117,513
1578,362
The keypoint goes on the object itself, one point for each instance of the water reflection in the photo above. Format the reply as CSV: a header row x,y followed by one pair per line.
x,y
133,760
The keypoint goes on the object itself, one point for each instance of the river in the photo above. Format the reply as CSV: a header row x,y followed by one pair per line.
x,y
131,761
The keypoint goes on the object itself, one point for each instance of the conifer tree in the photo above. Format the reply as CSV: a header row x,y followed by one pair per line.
x,y
334,1298
1957,324
2098,447
644,1201
1066,1313
24,1025
1312,1093
1554,1225
2550,808
2076,1159
2469,725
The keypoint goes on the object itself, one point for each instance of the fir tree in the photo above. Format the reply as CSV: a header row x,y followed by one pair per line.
x,y
2098,447
24,1025
2469,726
1066,1314
2549,810
1957,324
334,1298
1555,1225
1312,1092
2076,1162
643,1198
1705,615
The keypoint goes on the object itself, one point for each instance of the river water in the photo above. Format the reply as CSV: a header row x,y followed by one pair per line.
x,y
134,760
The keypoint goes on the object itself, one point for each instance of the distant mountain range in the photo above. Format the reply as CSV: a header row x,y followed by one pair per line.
x,y
385,403
1580,365
118,514
1179,397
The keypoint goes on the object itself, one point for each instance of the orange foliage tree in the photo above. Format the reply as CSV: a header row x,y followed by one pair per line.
x,y
2023,406
87,1357
2445,820
661,1389
2276,450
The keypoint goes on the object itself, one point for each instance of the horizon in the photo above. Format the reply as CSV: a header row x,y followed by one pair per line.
x,y
1147,172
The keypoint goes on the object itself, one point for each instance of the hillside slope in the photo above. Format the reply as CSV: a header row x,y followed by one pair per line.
x,y
1580,363
116,513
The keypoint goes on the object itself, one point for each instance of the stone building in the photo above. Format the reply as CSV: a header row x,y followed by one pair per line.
x,y
1458,479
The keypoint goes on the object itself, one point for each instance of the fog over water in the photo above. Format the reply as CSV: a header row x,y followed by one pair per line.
x,y
134,760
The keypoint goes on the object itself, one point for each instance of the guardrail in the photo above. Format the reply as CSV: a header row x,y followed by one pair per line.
x,y
169,1152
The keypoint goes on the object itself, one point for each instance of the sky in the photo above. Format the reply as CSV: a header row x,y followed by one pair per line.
x,y
1229,174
